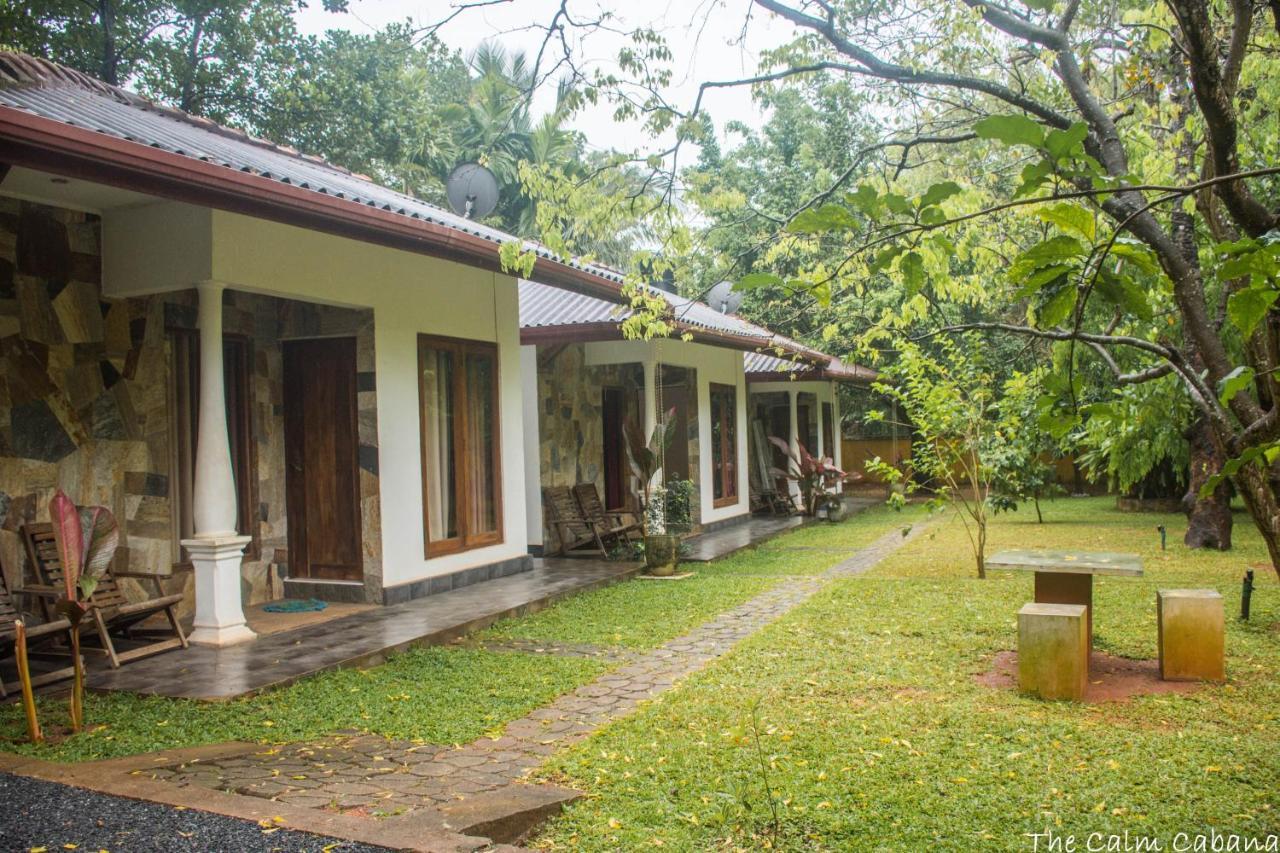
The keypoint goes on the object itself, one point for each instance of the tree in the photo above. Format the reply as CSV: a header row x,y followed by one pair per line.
x,y
375,104
1139,137
208,58
965,431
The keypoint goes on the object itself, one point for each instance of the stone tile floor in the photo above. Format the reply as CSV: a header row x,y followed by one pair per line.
x,y
366,774
362,638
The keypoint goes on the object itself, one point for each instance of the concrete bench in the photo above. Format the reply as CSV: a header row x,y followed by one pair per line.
x,y
1053,650
1191,635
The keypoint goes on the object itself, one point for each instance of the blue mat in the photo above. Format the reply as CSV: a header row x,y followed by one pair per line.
x,y
295,605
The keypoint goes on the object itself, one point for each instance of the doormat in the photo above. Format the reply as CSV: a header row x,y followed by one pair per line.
x,y
295,605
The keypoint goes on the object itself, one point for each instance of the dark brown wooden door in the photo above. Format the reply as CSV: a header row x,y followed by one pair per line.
x,y
615,463
780,425
322,475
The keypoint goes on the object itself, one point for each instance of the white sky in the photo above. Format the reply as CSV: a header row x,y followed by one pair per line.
x,y
716,51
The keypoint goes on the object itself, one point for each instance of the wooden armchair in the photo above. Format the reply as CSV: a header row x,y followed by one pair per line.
x,y
617,524
114,616
37,636
576,533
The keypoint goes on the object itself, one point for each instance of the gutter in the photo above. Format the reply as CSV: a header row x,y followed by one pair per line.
x,y
570,333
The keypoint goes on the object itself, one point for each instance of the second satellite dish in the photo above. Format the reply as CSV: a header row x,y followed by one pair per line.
x,y
724,298
472,191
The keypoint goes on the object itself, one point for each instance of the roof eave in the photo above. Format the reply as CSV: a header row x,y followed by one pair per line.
x,y
53,146
570,333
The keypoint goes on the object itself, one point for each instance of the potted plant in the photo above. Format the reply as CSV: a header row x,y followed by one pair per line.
x,y
661,546
816,476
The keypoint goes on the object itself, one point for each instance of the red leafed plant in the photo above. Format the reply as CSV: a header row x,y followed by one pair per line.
x,y
815,475
87,539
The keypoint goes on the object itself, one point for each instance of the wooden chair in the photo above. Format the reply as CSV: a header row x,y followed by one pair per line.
x,y
114,616
576,533
37,635
615,524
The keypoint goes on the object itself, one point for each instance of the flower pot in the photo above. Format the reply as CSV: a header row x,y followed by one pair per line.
x,y
836,511
661,553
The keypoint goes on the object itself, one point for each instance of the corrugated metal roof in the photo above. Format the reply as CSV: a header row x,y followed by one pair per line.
x,y
542,306
769,364
55,92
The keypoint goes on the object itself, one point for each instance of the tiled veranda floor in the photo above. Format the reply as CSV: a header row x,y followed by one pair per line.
x,y
362,638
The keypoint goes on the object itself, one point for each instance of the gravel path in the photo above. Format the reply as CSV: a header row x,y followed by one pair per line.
x,y
36,814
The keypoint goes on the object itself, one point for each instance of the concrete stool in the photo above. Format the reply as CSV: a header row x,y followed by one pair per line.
x,y
1053,650
1191,627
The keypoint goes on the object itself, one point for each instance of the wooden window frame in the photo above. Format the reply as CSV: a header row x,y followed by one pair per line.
x,y
728,450
465,540
244,466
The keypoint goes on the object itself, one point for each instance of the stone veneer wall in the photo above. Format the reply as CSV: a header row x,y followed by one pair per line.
x,y
570,417
85,397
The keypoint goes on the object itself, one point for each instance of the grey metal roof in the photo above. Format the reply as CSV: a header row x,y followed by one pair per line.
x,y
770,364
55,92
542,306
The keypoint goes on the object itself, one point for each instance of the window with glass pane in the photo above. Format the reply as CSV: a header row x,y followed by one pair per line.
x,y
458,389
724,445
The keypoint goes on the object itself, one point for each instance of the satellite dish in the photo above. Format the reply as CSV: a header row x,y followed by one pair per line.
x,y
472,191
724,298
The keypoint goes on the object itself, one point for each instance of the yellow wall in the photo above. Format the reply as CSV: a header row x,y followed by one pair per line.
x,y
857,452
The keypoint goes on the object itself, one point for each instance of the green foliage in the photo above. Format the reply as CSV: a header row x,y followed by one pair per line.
x,y
1131,432
975,446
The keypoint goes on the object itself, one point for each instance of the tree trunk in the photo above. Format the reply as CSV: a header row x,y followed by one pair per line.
x,y
1208,518
1259,494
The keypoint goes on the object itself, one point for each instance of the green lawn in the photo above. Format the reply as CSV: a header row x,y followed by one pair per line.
x,y
438,695
875,734
647,613
639,614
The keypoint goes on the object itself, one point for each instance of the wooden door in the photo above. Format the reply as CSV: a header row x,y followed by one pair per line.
x,y
615,462
322,475
780,425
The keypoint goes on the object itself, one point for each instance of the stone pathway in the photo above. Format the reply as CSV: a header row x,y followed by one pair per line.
x,y
372,775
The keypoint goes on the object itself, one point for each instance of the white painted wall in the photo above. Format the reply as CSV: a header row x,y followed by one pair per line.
x,y
718,365
409,294
532,445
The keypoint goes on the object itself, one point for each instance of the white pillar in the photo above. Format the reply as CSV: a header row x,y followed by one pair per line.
x,y
794,440
532,442
216,549
650,396
837,434
651,410
822,450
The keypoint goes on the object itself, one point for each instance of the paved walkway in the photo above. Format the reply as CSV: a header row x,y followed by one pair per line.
x,y
361,639
372,775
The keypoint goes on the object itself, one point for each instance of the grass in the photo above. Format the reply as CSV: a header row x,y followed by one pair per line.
x,y
438,695
875,735
639,614
645,614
